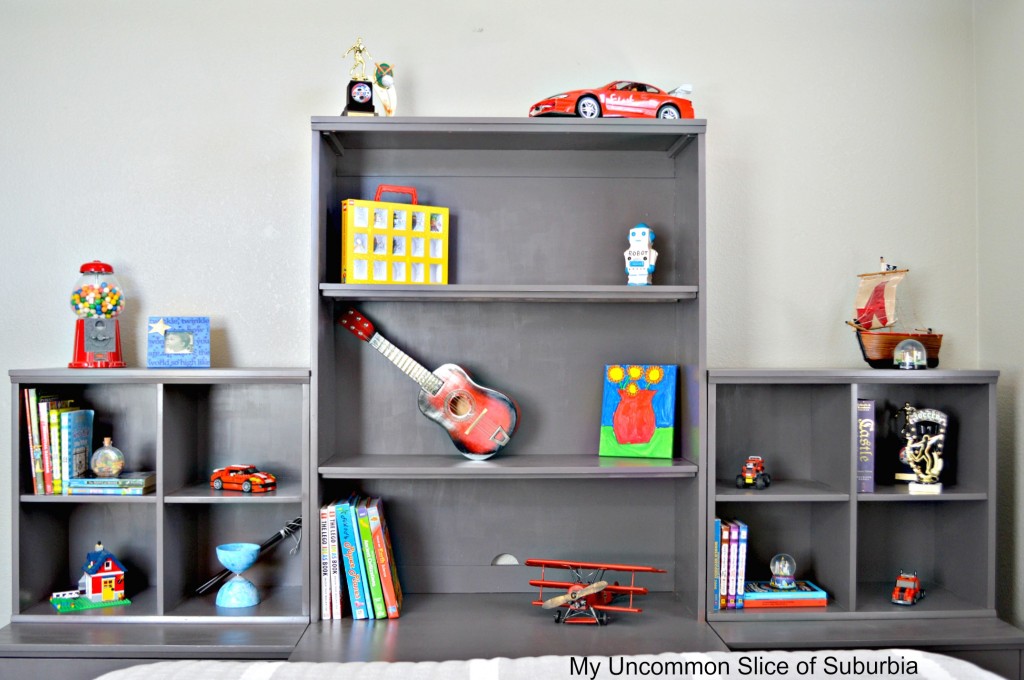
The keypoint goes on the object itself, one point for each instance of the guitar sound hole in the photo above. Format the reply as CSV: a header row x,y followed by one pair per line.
x,y
460,405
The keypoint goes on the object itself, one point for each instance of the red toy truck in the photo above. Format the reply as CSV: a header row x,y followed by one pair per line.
x,y
753,474
907,590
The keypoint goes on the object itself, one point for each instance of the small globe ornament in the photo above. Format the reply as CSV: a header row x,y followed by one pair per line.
x,y
783,569
108,460
910,354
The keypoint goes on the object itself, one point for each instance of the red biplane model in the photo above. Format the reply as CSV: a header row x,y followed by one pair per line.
x,y
588,598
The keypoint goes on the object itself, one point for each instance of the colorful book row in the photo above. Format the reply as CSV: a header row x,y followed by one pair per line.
x,y
59,441
356,557
730,563
732,590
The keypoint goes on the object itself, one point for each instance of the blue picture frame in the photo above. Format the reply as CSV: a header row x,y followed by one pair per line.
x,y
178,342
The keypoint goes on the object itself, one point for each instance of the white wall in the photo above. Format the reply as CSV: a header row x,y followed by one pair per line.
x,y
1000,54
172,140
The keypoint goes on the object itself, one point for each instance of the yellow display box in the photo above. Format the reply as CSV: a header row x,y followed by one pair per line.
x,y
393,243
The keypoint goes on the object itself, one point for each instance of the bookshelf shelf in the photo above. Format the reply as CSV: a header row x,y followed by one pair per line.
x,y
503,467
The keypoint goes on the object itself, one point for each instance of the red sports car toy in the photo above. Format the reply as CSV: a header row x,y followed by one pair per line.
x,y
243,478
622,98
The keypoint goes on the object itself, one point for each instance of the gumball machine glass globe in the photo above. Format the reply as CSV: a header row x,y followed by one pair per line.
x,y
97,293
108,460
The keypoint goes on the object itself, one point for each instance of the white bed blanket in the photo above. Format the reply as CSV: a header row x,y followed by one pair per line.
x,y
892,664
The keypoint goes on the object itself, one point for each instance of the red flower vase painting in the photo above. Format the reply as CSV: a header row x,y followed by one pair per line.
x,y
638,411
633,420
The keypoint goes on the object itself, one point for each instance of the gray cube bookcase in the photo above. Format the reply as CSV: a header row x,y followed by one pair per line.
x,y
804,423
181,424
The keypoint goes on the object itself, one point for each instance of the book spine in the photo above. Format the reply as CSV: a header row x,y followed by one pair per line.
x,y
374,510
723,598
741,565
35,451
44,440
767,604
351,560
717,564
865,446
108,491
334,562
734,541
108,482
325,578
57,453
370,558
360,559
65,452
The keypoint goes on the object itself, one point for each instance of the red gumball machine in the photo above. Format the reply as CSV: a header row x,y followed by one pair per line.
x,y
96,300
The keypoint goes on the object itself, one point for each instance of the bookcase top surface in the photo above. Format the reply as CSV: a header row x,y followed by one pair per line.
x,y
170,376
614,134
847,376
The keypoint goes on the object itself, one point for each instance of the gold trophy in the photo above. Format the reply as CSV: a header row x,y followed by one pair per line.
x,y
925,433
359,96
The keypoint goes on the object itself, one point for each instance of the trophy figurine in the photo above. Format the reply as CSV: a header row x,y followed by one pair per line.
x,y
359,95
925,433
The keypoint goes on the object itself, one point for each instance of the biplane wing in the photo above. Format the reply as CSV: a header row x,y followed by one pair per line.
x,y
604,566
585,609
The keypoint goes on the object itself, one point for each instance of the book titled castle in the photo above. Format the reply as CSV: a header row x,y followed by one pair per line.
x,y
865,446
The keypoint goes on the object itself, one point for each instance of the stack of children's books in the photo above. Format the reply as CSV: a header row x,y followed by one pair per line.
x,y
732,590
356,557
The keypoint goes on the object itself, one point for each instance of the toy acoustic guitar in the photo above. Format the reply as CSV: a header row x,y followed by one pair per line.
x,y
479,420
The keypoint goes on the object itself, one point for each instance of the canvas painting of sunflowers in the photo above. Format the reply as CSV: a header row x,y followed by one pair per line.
x,y
638,410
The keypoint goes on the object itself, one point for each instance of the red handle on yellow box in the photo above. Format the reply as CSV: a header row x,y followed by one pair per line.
x,y
396,189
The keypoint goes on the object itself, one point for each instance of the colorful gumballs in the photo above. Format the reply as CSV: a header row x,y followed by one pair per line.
x,y
97,293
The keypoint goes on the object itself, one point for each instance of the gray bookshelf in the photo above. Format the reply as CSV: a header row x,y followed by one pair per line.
x,y
853,544
536,305
181,424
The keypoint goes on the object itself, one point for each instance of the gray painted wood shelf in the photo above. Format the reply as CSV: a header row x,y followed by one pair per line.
x,y
504,467
510,293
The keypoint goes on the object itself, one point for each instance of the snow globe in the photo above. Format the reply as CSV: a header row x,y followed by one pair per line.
x,y
910,354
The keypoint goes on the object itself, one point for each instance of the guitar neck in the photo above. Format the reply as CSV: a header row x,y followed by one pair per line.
x,y
427,381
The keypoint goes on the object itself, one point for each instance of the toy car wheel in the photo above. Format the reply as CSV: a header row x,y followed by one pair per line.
x,y
760,482
739,482
247,486
588,107
218,484
767,479
669,112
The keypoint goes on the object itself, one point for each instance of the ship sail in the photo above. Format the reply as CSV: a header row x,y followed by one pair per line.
x,y
875,304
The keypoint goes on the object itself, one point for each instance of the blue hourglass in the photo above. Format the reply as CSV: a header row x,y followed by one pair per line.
x,y
238,591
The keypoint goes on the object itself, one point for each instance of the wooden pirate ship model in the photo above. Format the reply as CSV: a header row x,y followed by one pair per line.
x,y
875,318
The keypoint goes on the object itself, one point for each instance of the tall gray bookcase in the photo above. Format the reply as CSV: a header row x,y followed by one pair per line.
x,y
536,305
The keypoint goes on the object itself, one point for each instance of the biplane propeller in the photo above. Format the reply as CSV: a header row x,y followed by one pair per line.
x,y
574,594
588,597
